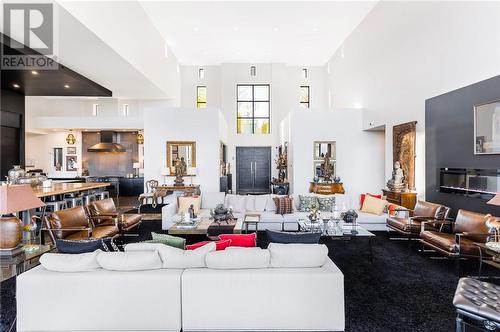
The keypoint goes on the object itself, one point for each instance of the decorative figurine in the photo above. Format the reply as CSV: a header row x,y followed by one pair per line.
x,y
327,170
397,183
180,170
281,166
220,213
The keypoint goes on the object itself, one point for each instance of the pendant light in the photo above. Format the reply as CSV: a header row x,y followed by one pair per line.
x,y
70,139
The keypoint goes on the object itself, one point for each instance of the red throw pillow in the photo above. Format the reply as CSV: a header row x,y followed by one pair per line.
x,y
362,198
240,240
219,245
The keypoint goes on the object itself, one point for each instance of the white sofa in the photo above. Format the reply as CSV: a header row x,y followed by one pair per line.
x,y
267,210
238,289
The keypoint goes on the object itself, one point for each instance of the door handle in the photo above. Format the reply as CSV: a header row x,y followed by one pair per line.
x,y
255,167
251,168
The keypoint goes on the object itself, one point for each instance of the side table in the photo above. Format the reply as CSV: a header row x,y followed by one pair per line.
x,y
485,251
251,219
13,265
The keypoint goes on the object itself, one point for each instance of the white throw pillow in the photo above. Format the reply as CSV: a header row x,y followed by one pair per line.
x,y
237,202
270,205
129,261
241,258
250,203
297,255
260,202
175,258
70,262
210,200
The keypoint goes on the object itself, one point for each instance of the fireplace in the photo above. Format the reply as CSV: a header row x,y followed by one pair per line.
x,y
470,182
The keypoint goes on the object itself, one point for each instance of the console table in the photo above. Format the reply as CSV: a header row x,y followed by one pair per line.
x,y
405,199
188,190
326,188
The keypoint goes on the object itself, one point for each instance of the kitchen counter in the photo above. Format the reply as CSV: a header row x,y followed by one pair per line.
x,y
65,188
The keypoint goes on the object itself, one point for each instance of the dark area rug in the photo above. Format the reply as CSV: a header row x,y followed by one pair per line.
x,y
402,290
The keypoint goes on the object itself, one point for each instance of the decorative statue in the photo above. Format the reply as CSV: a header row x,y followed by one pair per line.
x,y
326,170
180,170
397,183
220,213
281,166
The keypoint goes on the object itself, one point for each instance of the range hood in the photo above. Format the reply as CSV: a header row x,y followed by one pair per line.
x,y
108,143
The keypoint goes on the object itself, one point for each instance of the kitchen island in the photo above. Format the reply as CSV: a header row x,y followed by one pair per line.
x,y
66,188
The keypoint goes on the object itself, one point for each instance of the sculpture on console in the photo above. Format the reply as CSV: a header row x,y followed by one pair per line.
x,y
397,181
327,170
281,166
180,171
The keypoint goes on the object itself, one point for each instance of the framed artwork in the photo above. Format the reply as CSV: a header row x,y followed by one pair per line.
x,y
322,148
71,150
487,128
58,159
71,164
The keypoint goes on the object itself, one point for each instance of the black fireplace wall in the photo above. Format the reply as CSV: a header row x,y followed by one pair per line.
x,y
11,130
449,141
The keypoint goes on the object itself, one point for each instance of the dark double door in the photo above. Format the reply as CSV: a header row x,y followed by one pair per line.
x,y
253,170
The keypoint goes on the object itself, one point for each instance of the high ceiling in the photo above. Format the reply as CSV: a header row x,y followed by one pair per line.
x,y
291,32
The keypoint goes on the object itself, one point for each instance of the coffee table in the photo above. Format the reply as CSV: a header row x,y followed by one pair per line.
x,y
201,228
348,232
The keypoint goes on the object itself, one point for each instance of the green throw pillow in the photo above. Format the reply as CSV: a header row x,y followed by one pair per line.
x,y
169,240
326,204
307,203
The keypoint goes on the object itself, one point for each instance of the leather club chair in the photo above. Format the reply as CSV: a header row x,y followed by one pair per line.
x,y
74,224
104,211
469,228
410,225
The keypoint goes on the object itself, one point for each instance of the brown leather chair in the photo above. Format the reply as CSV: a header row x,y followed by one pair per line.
x,y
104,211
469,228
410,225
74,224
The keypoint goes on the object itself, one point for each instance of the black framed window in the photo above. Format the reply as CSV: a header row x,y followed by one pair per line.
x,y
201,96
253,109
305,96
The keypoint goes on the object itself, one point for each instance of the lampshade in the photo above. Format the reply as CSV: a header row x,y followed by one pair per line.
x,y
495,200
165,171
15,198
192,171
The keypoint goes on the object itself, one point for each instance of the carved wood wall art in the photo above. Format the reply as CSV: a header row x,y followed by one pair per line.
x,y
403,150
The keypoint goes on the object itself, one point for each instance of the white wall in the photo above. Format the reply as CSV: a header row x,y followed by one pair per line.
x,y
359,156
183,124
39,147
406,52
285,82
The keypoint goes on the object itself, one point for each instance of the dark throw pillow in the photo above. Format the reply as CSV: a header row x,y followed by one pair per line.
x,y
82,246
292,237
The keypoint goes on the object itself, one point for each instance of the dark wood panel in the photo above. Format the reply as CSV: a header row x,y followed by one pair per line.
x,y
10,145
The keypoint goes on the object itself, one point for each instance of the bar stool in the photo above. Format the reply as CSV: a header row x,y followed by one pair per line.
x,y
74,201
89,198
102,195
55,206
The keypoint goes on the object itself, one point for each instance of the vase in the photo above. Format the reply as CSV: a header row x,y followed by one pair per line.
x,y
11,232
16,173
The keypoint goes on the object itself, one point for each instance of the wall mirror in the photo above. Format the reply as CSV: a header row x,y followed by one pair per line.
x,y
487,128
321,148
181,150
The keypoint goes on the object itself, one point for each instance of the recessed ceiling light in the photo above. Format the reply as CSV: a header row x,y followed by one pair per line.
x,y
15,85
315,29
275,29
236,29
34,72
196,29
66,86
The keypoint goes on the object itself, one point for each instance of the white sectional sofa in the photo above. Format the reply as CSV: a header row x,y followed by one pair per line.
x,y
284,287
264,205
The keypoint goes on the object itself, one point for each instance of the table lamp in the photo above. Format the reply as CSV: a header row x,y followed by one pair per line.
x,y
165,171
136,166
15,198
